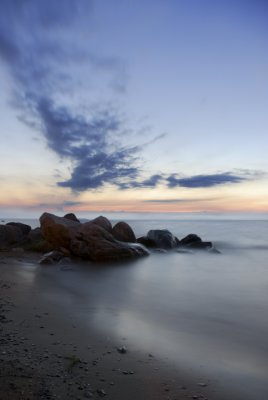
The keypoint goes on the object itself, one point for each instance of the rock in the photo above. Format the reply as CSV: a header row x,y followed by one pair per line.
x,y
190,239
95,243
35,235
10,235
71,217
123,232
46,260
162,238
201,245
25,229
193,241
122,349
58,231
51,258
65,261
35,241
145,241
91,240
103,222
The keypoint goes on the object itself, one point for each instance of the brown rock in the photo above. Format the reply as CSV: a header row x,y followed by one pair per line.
x,y
97,244
10,235
25,229
58,231
123,232
72,217
103,222
91,240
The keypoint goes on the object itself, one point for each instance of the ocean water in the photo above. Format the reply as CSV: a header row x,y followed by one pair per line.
x,y
205,312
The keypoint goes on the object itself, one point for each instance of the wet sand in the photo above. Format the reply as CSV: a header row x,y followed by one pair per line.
x,y
47,352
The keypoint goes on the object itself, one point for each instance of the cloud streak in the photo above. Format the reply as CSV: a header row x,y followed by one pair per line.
x,y
204,181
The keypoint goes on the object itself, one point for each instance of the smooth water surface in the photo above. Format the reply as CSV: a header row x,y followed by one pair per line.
x,y
203,311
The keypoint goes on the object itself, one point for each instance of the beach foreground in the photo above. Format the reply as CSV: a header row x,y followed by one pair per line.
x,y
48,352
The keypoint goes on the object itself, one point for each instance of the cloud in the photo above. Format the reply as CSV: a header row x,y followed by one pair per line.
x,y
150,182
42,43
171,201
204,181
36,43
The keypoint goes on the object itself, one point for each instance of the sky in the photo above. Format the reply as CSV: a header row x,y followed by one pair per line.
x,y
143,106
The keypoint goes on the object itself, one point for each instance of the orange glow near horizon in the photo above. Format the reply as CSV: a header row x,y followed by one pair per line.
x,y
247,197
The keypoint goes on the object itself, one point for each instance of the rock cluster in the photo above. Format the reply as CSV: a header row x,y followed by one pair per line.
x,y
97,240
164,239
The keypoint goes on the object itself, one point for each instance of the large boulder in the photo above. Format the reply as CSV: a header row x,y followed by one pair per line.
x,y
95,243
103,222
123,232
58,231
162,238
72,217
25,229
10,235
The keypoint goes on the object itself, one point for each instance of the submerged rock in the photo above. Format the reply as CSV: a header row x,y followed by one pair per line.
x,y
162,238
194,241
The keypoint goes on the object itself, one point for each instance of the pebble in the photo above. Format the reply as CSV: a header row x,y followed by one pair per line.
x,y
122,349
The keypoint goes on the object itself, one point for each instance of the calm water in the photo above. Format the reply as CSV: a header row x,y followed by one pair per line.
x,y
206,312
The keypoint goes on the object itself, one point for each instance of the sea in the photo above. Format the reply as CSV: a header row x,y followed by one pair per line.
x,y
206,312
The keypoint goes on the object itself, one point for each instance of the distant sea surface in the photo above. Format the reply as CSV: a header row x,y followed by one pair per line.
x,y
206,312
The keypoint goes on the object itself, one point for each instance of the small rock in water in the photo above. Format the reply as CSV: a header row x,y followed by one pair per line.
x,y
122,349
202,384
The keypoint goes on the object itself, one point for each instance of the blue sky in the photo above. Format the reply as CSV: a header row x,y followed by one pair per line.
x,y
153,106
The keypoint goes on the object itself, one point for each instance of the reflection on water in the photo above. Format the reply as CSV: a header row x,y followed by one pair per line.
x,y
199,310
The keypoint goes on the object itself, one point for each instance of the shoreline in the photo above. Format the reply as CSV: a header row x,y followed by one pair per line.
x,y
47,352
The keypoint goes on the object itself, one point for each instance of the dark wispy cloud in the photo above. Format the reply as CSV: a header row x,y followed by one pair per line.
x,y
36,42
150,182
204,181
42,45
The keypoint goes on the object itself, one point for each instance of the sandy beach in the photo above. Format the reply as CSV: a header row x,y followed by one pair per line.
x,y
47,352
